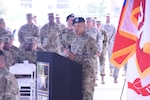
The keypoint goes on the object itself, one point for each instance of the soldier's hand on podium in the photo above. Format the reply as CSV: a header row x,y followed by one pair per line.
x,y
66,52
71,56
98,53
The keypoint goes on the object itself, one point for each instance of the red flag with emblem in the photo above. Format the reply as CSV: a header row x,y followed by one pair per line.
x,y
125,41
132,45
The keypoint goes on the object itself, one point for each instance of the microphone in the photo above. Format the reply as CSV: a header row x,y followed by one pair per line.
x,y
69,47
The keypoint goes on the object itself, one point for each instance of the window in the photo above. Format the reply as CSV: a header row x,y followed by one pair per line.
x,y
26,5
116,11
25,0
62,0
50,7
62,6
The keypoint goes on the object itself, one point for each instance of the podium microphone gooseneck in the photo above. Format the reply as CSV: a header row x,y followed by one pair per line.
x,y
69,47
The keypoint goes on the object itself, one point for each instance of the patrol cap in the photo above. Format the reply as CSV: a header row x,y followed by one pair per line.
x,y
6,40
29,39
95,17
50,14
29,15
78,20
71,15
98,22
89,19
108,14
57,15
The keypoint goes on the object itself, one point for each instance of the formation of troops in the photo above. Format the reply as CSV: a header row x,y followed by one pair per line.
x,y
85,41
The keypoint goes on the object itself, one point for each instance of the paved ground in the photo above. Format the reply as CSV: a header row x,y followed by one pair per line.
x,y
110,90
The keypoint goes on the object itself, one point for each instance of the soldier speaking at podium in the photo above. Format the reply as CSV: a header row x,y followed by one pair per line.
x,y
83,51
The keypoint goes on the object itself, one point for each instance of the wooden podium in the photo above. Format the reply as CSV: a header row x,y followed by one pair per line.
x,y
58,78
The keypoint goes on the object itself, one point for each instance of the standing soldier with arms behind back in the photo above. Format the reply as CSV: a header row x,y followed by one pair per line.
x,y
49,36
111,33
27,30
83,51
9,89
102,56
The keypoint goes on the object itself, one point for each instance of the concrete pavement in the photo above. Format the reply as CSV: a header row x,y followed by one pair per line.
x,y
110,90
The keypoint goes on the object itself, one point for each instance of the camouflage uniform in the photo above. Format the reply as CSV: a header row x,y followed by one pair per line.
x,y
14,52
111,32
11,48
9,59
27,30
49,37
102,57
30,51
84,47
8,30
62,26
96,35
9,89
3,31
27,55
66,38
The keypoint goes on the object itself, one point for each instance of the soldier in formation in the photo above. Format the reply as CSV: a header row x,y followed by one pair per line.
x,y
111,33
49,36
102,56
27,30
92,31
57,21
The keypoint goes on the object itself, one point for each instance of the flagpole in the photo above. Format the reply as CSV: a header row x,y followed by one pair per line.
x,y
123,88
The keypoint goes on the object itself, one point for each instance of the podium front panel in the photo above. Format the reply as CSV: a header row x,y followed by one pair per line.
x,y
63,78
74,83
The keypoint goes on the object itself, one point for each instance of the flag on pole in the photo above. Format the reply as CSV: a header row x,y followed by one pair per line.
x,y
143,41
133,36
132,45
125,41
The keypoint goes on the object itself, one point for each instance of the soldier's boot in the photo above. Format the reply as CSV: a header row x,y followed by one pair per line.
x,y
102,79
115,80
